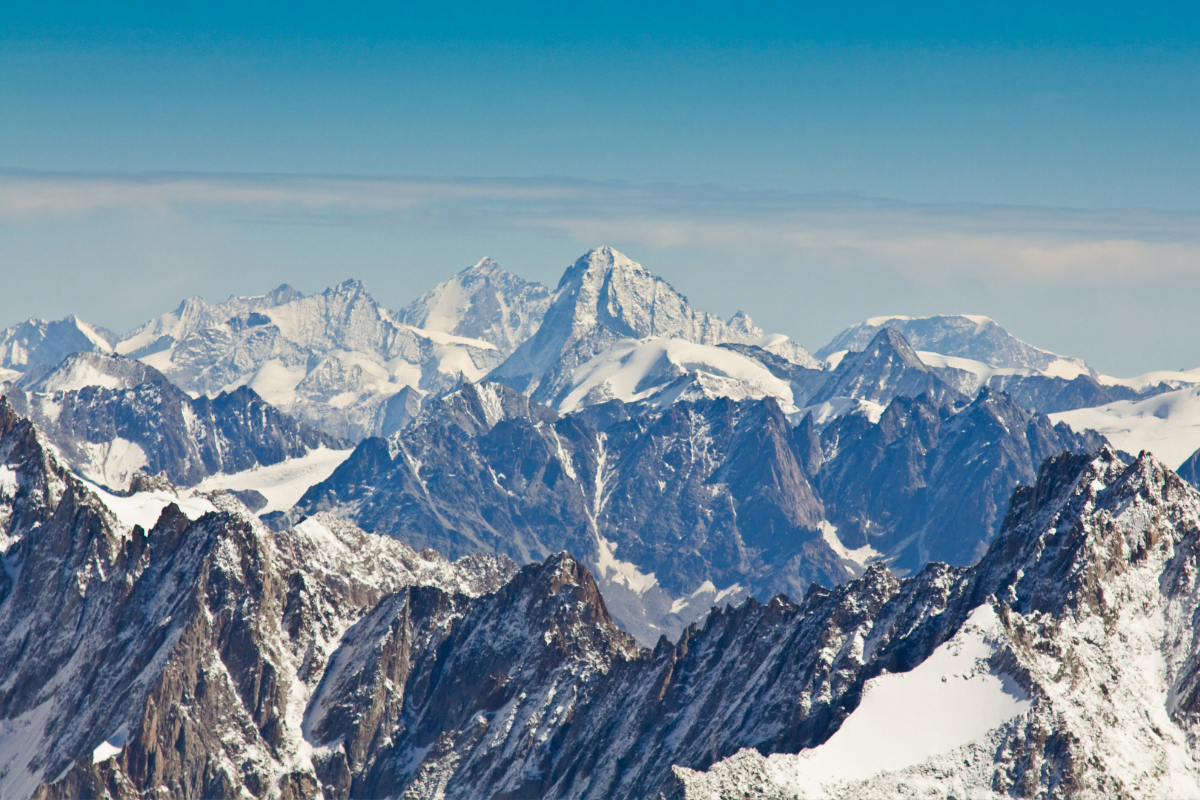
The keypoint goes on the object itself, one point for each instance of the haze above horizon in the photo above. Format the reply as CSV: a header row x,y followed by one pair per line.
x,y
1035,163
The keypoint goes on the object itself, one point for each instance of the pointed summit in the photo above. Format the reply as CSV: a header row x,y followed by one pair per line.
x,y
886,369
602,298
39,342
742,323
484,302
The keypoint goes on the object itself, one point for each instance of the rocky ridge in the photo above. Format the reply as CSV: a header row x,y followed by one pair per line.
x,y
1091,592
178,659
112,417
482,302
228,659
677,508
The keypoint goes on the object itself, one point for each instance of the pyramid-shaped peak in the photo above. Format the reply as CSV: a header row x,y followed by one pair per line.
x,y
742,323
600,261
890,342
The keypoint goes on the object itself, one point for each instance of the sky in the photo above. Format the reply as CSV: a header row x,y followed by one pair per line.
x,y
813,164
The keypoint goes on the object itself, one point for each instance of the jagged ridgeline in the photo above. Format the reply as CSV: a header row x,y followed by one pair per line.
x,y
212,657
699,502
589,541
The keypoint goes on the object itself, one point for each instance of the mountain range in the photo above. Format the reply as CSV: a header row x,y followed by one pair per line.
x,y
514,542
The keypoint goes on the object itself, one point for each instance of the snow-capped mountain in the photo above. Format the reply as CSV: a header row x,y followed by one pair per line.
x,y
335,360
604,299
39,342
672,507
969,353
1063,664
885,369
181,660
112,417
211,657
481,302
962,336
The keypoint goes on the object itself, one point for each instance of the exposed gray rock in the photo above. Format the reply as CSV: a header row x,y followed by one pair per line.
x,y
113,417
698,497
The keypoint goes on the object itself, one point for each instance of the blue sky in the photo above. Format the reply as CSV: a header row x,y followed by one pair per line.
x,y
814,163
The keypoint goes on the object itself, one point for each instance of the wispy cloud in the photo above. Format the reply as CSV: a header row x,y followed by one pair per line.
x,y
922,241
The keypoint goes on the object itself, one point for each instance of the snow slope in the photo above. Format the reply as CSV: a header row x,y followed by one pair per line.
x,y
953,698
336,360
281,484
481,302
1167,425
640,369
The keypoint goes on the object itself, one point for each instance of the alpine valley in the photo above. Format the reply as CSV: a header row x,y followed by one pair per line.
x,y
514,541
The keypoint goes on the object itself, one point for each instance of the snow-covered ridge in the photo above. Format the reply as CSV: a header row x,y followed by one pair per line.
x,y
1075,676
1167,425
963,336
632,370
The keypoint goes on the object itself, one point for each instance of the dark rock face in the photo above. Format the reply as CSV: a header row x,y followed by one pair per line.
x,y
701,492
186,648
716,492
225,659
1190,469
926,484
186,438
886,369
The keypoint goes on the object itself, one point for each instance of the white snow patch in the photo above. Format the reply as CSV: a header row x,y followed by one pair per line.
x,y
617,571
631,363
283,484
949,700
839,407
111,746
836,358
861,556
81,374
276,382
1168,425
144,508
112,463
441,337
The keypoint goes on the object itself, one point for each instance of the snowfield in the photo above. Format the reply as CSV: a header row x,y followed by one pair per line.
x,y
638,369
283,484
1167,425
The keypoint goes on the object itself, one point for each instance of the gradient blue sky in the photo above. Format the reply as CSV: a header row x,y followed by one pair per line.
x,y
814,164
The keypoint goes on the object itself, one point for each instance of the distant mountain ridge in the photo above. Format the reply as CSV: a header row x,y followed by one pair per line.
x,y
481,302
974,337
604,298
113,417
671,507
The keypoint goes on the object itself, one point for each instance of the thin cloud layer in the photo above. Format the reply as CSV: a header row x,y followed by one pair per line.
x,y
919,241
